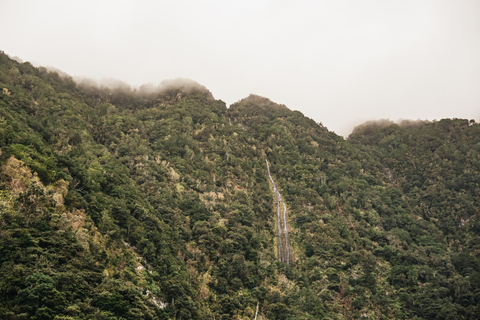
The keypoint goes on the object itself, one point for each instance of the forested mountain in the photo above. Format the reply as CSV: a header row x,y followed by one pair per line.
x,y
157,204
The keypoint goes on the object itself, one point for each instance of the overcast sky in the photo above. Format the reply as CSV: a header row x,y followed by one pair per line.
x,y
339,62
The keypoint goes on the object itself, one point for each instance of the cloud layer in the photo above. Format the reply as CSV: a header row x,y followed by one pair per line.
x,y
339,62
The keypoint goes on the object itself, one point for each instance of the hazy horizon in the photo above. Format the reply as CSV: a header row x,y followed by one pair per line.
x,y
340,63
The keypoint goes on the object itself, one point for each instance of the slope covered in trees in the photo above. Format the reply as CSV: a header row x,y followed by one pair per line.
x,y
157,204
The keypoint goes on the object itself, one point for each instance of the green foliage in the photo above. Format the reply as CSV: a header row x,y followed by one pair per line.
x,y
125,204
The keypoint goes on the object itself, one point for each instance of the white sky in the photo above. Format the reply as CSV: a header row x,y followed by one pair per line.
x,y
340,62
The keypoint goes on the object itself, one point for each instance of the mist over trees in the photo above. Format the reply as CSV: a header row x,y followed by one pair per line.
x,y
155,203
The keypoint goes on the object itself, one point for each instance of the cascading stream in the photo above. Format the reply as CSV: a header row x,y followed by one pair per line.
x,y
283,243
288,248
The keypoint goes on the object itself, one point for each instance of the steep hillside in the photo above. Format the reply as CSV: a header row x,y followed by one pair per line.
x,y
158,204
436,168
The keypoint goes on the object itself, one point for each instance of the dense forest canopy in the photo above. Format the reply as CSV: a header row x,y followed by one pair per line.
x,y
156,204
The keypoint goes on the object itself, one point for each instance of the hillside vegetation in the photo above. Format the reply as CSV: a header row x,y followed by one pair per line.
x,y
157,204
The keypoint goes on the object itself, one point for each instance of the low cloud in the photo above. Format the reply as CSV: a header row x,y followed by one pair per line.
x,y
180,84
373,125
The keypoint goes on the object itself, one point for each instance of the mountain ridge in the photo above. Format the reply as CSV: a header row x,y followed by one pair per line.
x,y
115,205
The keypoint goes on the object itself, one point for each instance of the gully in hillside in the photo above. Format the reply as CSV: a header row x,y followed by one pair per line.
x,y
283,243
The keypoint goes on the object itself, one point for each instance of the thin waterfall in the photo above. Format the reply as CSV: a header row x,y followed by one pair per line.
x,y
283,240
